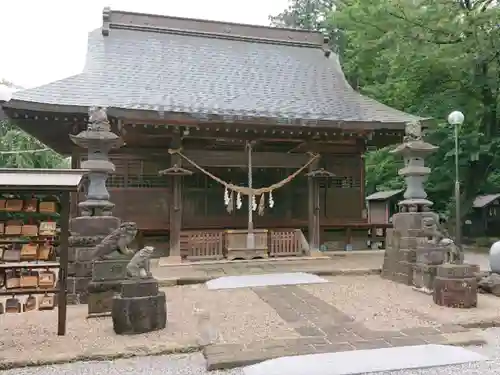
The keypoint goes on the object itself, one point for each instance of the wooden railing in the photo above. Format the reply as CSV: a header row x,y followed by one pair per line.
x,y
284,243
231,244
202,245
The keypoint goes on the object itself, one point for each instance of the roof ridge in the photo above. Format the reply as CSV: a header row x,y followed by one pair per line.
x,y
115,19
217,36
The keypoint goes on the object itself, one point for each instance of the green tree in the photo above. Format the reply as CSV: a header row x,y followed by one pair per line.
x,y
427,57
16,148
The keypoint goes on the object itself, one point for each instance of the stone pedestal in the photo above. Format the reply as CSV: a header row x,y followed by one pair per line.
x,y
456,285
404,250
86,233
107,278
139,308
425,268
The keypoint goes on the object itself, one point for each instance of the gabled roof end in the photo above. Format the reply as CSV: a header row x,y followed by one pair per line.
x,y
116,19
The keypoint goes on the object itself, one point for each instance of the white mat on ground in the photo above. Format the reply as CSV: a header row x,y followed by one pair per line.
x,y
248,281
362,361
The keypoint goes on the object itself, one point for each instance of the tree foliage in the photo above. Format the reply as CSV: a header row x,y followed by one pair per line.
x,y
16,148
426,57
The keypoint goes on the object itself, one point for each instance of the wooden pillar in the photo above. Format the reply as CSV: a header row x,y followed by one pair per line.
x,y
362,150
313,210
288,190
75,164
310,208
316,227
175,205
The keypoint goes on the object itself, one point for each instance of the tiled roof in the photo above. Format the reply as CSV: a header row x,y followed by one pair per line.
x,y
383,195
483,200
69,179
144,65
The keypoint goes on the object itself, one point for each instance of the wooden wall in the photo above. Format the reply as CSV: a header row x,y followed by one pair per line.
x,y
142,196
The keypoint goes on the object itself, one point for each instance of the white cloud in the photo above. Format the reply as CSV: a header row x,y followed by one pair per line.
x,y
43,41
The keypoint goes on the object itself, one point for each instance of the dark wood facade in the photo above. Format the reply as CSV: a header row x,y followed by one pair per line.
x,y
143,196
484,218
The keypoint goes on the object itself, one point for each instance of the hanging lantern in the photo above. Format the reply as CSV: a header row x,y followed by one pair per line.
x,y
271,200
238,201
254,203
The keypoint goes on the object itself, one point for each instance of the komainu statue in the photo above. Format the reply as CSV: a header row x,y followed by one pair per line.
x,y
438,236
138,267
118,240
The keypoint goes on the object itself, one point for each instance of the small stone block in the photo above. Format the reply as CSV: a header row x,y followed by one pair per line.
x,y
458,292
104,286
424,275
108,270
100,303
409,256
139,314
139,288
451,271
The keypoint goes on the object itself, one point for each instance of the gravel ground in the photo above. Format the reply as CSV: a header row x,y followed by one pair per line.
x,y
239,315
194,365
398,306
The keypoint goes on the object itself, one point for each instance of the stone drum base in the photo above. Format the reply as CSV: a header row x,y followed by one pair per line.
x,y
140,308
456,286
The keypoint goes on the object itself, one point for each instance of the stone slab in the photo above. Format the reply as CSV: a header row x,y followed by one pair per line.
x,y
365,361
139,288
451,271
109,270
249,281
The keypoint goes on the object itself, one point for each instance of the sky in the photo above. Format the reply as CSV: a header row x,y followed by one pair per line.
x,y
43,41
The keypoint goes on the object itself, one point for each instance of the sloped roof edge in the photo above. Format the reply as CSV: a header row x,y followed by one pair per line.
x,y
484,200
383,195
160,23
189,118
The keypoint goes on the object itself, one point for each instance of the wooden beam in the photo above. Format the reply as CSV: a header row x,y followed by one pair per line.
x,y
239,159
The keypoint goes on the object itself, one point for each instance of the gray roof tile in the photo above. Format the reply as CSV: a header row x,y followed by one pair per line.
x,y
483,200
193,73
383,195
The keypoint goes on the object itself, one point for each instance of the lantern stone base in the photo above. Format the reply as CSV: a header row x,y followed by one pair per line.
x,y
107,278
140,308
456,285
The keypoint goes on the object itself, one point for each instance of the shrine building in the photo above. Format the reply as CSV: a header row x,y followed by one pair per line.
x,y
203,101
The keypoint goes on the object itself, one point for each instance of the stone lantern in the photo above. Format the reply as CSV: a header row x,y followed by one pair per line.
x,y
96,220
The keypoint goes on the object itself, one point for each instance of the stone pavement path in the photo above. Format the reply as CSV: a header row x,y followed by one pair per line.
x,y
322,327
